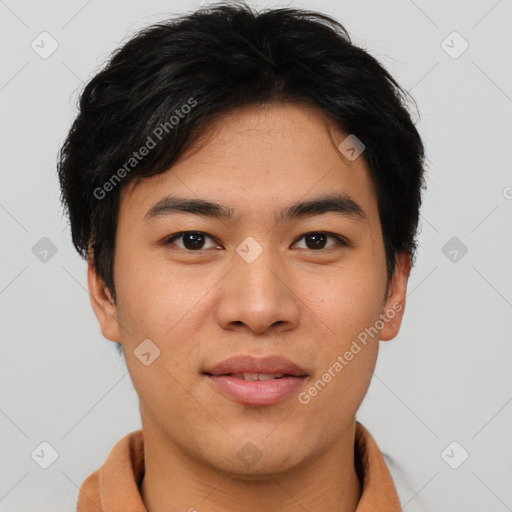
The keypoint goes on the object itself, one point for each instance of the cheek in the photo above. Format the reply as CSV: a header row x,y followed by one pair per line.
x,y
347,301
168,307
151,298
346,308
334,396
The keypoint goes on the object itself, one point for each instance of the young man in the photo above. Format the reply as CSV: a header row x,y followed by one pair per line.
x,y
246,188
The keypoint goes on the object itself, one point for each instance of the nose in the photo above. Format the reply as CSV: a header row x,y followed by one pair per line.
x,y
258,296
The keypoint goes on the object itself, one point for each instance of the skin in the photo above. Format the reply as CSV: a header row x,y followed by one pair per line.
x,y
307,304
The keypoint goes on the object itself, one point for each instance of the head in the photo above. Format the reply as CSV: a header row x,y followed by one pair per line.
x,y
208,184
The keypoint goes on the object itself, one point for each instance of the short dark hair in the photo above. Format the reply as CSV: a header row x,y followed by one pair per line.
x,y
201,65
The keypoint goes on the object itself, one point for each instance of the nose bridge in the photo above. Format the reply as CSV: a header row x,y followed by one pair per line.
x,y
256,294
256,270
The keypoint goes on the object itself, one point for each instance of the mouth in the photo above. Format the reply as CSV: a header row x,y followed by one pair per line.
x,y
256,376
256,381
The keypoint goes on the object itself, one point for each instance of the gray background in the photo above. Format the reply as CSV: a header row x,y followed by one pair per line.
x,y
445,378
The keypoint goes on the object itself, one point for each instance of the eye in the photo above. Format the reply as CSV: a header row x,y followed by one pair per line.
x,y
196,240
316,240
191,240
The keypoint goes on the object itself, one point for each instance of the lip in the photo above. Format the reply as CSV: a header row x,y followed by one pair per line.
x,y
255,392
250,364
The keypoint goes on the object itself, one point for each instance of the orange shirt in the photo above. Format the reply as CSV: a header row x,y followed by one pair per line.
x,y
114,487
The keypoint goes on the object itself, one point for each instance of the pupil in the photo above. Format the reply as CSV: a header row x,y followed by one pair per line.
x,y
193,240
316,238
196,240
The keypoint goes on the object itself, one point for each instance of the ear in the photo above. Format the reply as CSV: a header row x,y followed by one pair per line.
x,y
102,302
394,305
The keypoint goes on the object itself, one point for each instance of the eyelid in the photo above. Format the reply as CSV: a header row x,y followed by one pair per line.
x,y
169,239
341,241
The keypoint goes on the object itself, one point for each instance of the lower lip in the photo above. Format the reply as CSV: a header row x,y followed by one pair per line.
x,y
256,392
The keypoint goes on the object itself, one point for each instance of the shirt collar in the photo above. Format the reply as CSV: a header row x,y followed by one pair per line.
x,y
114,487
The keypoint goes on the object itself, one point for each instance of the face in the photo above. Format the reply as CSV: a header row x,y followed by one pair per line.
x,y
305,286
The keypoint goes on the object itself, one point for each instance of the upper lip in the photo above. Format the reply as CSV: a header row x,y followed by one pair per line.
x,y
251,364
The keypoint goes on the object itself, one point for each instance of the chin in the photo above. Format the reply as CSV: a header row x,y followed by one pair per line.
x,y
250,464
260,473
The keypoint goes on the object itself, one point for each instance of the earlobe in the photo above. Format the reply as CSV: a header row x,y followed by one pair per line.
x,y
394,306
102,303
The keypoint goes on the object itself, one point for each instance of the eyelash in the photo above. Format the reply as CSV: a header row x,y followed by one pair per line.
x,y
340,240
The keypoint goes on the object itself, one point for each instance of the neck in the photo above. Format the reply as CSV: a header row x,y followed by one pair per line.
x,y
174,482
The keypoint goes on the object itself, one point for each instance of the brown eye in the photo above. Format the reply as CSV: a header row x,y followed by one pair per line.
x,y
190,240
318,240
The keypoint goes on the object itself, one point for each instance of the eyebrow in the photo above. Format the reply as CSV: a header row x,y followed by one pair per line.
x,y
341,204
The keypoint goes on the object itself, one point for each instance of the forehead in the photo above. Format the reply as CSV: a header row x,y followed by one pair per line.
x,y
258,157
